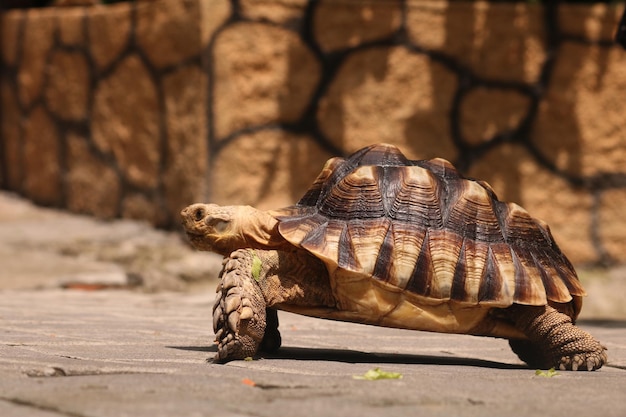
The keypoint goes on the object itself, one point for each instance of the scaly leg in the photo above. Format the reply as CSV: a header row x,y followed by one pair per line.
x,y
554,341
239,316
254,283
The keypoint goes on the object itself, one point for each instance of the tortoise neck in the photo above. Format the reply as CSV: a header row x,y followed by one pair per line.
x,y
260,230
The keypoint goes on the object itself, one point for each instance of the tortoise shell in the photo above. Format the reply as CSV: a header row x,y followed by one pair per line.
x,y
421,227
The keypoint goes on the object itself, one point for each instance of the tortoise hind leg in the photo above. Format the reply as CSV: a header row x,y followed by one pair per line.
x,y
554,341
530,353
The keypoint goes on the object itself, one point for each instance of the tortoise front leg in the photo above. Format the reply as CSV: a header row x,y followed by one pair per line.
x,y
554,341
239,313
254,283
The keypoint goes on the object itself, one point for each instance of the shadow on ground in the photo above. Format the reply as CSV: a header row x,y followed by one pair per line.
x,y
354,356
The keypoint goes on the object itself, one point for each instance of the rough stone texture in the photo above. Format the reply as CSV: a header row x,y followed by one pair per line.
x,y
42,167
11,166
595,138
342,24
109,32
487,112
148,106
516,177
72,31
213,14
37,41
612,230
595,22
267,169
496,40
277,11
186,163
168,31
10,29
84,194
67,89
390,95
131,136
264,75
426,23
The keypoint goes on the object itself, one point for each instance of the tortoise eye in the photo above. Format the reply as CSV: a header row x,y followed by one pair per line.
x,y
198,214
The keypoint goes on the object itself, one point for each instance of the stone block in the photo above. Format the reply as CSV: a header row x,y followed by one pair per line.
x,y
595,22
186,158
268,169
390,95
281,12
612,223
125,121
580,127
67,89
213,14
263,75
10,23
109,29
501,41
11,139
340,25
72,31
168,32
37,40
42,158
92,186
485,112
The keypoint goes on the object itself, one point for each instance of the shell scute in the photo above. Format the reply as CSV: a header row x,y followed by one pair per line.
x,y
422,228
415,198
344,203
364,241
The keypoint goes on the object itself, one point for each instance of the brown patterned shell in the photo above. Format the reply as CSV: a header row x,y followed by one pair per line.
x,y
423,228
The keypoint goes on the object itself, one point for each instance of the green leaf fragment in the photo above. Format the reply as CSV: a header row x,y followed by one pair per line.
x,y
256,267
376,374
548,374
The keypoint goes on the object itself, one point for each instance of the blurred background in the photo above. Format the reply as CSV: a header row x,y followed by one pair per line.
x,y
133,110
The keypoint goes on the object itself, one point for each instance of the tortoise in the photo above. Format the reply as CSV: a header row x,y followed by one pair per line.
x,y
383,240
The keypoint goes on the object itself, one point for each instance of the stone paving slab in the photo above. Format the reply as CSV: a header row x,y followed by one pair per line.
x,y
117,353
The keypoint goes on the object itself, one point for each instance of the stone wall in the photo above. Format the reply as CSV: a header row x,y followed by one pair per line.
x,y
137,109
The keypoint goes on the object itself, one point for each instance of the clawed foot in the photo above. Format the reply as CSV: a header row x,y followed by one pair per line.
x,y
554,341
239,316
585,361
535,357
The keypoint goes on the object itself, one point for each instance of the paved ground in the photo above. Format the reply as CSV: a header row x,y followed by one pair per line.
x,y
117,343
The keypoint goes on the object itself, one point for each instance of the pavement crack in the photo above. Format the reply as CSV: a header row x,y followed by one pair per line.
x,y
41,407
55,371
276,386
71,357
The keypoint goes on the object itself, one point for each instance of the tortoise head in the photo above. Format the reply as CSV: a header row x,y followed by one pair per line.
x,y
224,229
